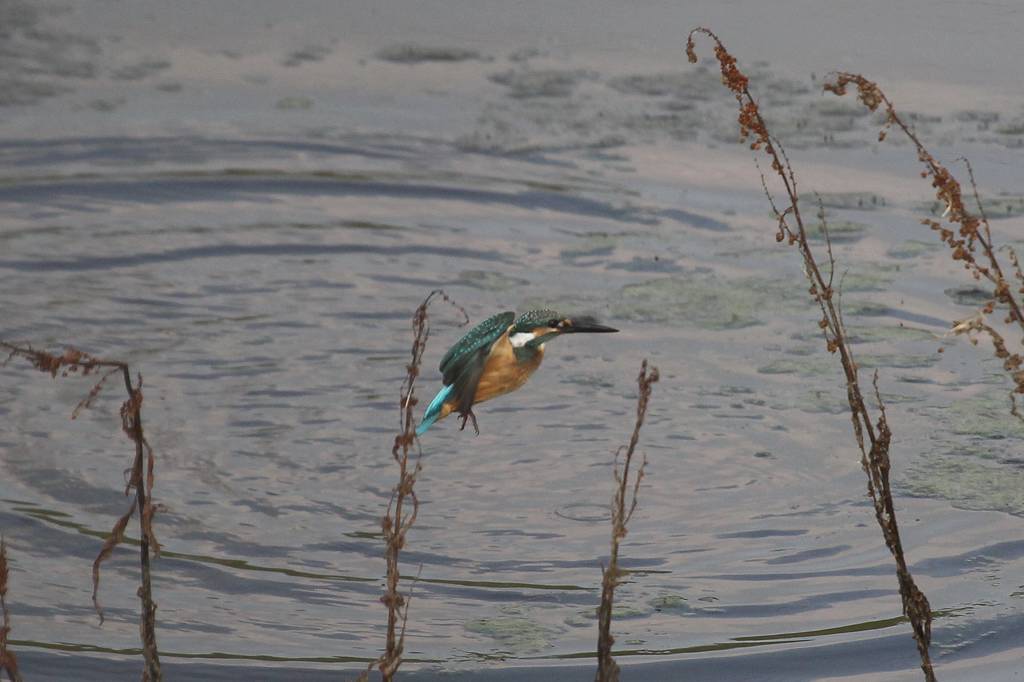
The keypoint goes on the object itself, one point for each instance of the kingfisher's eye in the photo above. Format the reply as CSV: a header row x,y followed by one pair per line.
x,y
554,322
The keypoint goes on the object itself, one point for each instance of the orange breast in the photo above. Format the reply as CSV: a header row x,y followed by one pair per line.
x,y
504,373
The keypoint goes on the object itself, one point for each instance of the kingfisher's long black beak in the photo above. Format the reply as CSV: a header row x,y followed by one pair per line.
x,y
584,325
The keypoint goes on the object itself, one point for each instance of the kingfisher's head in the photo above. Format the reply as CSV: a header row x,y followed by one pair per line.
x,y
536,327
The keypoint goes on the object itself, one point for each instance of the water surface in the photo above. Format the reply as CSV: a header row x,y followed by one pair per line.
x,y
248,206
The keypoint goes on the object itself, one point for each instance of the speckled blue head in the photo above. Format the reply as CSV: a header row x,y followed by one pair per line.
x,y
546,324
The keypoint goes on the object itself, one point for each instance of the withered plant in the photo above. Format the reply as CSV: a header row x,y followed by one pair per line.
x,y
8,661
873,436
967,234
404,504
623,506
74,361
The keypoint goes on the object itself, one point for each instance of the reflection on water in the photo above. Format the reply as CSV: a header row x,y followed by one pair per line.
x,y
261,275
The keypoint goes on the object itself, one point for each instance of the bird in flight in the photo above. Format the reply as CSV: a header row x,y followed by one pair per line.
x,y
497,357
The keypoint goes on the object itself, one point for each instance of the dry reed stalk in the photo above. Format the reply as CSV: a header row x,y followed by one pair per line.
x,y
8,661
607,668
399,518
965,232
873,437
75,361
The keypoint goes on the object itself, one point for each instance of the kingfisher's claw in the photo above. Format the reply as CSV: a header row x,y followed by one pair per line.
x,y
469,415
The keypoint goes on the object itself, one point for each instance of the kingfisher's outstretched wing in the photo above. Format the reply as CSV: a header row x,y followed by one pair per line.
x,y
464,362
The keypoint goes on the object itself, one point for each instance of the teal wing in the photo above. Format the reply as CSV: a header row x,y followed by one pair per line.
x,y
479,337
464,362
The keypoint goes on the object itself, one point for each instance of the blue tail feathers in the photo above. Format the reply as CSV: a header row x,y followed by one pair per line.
x,y
434,409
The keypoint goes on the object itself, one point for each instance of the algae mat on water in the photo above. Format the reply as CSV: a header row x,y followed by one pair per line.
x,y
968,482
513,632
703,300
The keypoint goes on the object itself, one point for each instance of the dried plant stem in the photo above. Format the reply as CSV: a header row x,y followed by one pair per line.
x,y
965,231
873,437
8,661
404,504
143,493
607,668
74,361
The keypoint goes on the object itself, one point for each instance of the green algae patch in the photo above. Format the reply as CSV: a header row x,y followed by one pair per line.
x,y
815,402
409,53
588,617
489,280
839,231
703,301
972,296
294,103
864,309
863,201
912,248
1013,127
888,334
356,225
512,632
984,416
998,206
858,334
541,83
837,108
868,278
810,362
816,364
589,380
831,401
967,482
696,84
896,360
592,246
670,603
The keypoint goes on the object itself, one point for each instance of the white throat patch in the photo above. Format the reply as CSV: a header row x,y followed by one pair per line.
x,y
520,339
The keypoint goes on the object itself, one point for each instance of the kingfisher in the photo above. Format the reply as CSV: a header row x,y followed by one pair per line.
x,y
497,357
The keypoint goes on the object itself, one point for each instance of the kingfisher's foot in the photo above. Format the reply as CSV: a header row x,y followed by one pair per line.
x,y
469,415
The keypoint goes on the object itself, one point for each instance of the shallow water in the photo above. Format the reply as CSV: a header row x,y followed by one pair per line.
x,y
249,210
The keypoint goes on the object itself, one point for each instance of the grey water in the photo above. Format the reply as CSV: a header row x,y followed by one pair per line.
x,y
247,203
